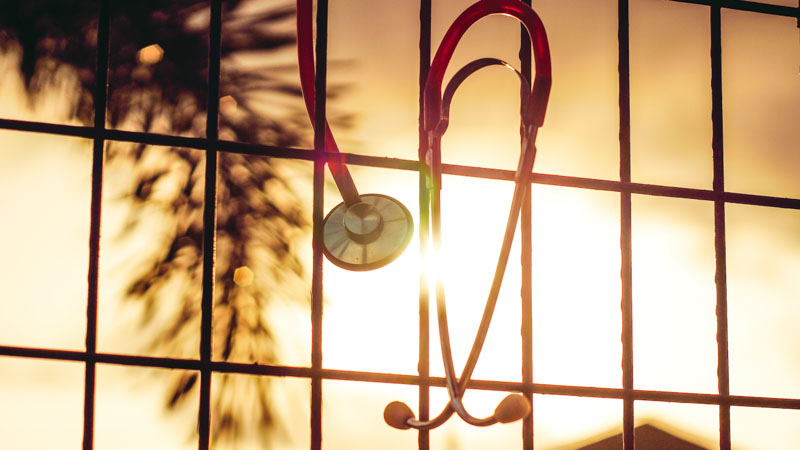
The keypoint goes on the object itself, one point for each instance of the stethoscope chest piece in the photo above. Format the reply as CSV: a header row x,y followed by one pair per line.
x,y
367,235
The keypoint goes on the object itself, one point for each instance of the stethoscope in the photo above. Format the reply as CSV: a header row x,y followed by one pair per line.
x,y
370,230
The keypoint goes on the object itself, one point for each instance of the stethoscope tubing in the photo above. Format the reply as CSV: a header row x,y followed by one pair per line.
x,y
436,112
305,60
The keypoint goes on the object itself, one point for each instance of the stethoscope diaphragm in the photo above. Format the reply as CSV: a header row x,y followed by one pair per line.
x,y
368,234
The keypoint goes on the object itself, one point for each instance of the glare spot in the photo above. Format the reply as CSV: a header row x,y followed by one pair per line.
x,y
150,55
227,104
243,276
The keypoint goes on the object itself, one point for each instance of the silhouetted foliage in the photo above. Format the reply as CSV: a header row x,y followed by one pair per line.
x,y
257,215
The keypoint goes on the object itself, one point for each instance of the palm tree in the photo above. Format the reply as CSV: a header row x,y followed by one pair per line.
x,y
157,82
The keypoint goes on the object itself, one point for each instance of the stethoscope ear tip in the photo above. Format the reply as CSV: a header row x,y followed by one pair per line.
x,y
397,414
514,407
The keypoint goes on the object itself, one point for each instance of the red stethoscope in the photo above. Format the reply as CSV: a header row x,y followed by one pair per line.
x,y
370,230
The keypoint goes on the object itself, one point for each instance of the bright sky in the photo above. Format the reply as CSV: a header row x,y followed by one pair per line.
x,y
370,319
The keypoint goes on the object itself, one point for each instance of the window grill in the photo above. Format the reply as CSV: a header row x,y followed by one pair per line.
x,y
316,373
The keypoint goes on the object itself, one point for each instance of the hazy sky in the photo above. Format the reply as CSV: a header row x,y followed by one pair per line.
x,y
576,255
371,318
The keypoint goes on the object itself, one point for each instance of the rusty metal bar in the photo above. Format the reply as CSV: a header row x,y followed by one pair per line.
x,y
209,224
758,7
723,375
626,227
100,100
526,263
391,378
423,368
320,93
406,164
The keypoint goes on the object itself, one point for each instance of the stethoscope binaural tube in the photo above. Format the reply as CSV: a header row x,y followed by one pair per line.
x,y
463,73
514,406
537,100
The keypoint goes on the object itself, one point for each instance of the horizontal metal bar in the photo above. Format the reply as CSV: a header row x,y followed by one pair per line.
x,y
619,186
402,164
741,5
201,144
154,139
376,377
48,128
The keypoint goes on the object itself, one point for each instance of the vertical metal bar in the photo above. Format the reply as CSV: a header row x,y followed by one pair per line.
x,y
423,438
719,230
319,181
527,317
209,223
526,263
316,307
100,99
626,271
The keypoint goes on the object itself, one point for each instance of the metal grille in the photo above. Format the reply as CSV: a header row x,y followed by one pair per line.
x,y
316,373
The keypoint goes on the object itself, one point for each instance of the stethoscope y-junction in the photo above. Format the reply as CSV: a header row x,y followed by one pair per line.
x,y
370,230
